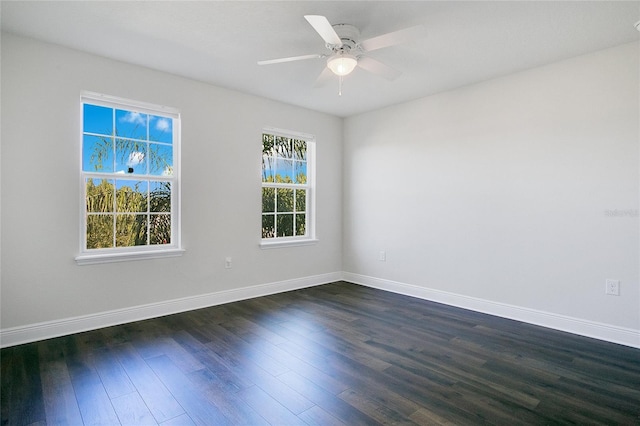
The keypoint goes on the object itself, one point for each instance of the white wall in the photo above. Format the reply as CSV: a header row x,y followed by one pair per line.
x,y
221,152
495,192
499,191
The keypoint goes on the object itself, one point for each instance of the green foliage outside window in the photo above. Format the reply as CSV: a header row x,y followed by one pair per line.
x,y
113,207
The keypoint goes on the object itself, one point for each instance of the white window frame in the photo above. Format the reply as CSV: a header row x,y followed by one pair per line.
x,y
119,254
310,187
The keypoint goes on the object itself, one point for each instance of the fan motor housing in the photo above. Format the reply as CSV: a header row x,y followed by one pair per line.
x,y
349,36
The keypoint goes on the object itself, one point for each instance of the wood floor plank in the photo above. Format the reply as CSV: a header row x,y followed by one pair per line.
x,y
156,396
315,369
336,354
352,375
229,341
364,382
244,326
93,401
243,365
188,342
327,401
183,420
270,409
230,404
132,411
216,364
299,359
23,391
380,412
472,373
425,417
177,354
116,382
60,403
316,416
199,409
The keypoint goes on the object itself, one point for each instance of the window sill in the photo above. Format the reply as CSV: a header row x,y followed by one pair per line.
x,y
287,243
91,259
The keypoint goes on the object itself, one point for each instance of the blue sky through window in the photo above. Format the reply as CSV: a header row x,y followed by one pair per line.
x,y
142,144
131,124
97,119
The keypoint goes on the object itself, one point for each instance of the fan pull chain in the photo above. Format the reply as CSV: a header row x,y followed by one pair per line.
x,y
340,86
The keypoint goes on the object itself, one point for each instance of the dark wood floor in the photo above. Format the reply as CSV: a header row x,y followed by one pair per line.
x,y
333,354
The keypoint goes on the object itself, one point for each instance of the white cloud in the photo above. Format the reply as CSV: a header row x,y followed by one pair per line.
x,y
134,117
135,158
162,124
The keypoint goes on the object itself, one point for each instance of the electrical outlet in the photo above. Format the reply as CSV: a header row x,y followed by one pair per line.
x,y
382,256
227,263
612,287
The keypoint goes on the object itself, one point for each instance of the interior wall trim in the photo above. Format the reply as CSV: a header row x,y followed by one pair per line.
x,y
596,330
62,327
50,329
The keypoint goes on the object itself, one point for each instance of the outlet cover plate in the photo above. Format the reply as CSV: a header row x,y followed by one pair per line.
x,y
612,287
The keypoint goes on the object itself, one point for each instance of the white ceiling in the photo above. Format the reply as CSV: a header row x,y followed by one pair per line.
x,y
219,42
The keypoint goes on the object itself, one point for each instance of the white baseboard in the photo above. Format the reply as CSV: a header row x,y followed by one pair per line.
x,y
46,330
609,333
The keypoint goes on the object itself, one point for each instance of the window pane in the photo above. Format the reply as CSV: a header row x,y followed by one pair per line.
x,y
268,200
300,172
97,119
97,154
284,200
160,160
129,173
99,231
131,196
285,225
268,168
300,150
131,124
131,230
131,156
301,225
268,142
268,226
283,147
301,200
160,196
100,194
284,171
284,209
160,229
160,129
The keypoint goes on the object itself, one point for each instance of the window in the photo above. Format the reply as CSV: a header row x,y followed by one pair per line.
x,y
130,187
287,188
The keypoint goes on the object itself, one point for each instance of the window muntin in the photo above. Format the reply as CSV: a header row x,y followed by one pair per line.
x,y
286,187
129,175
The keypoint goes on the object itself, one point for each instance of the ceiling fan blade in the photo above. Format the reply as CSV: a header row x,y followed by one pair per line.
x,y
290,59
377,67
393,38
324,77
324,28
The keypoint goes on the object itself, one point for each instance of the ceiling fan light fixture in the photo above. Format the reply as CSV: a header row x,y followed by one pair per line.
x,y
342,63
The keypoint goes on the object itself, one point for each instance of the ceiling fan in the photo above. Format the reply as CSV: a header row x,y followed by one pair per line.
x,y
346,51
